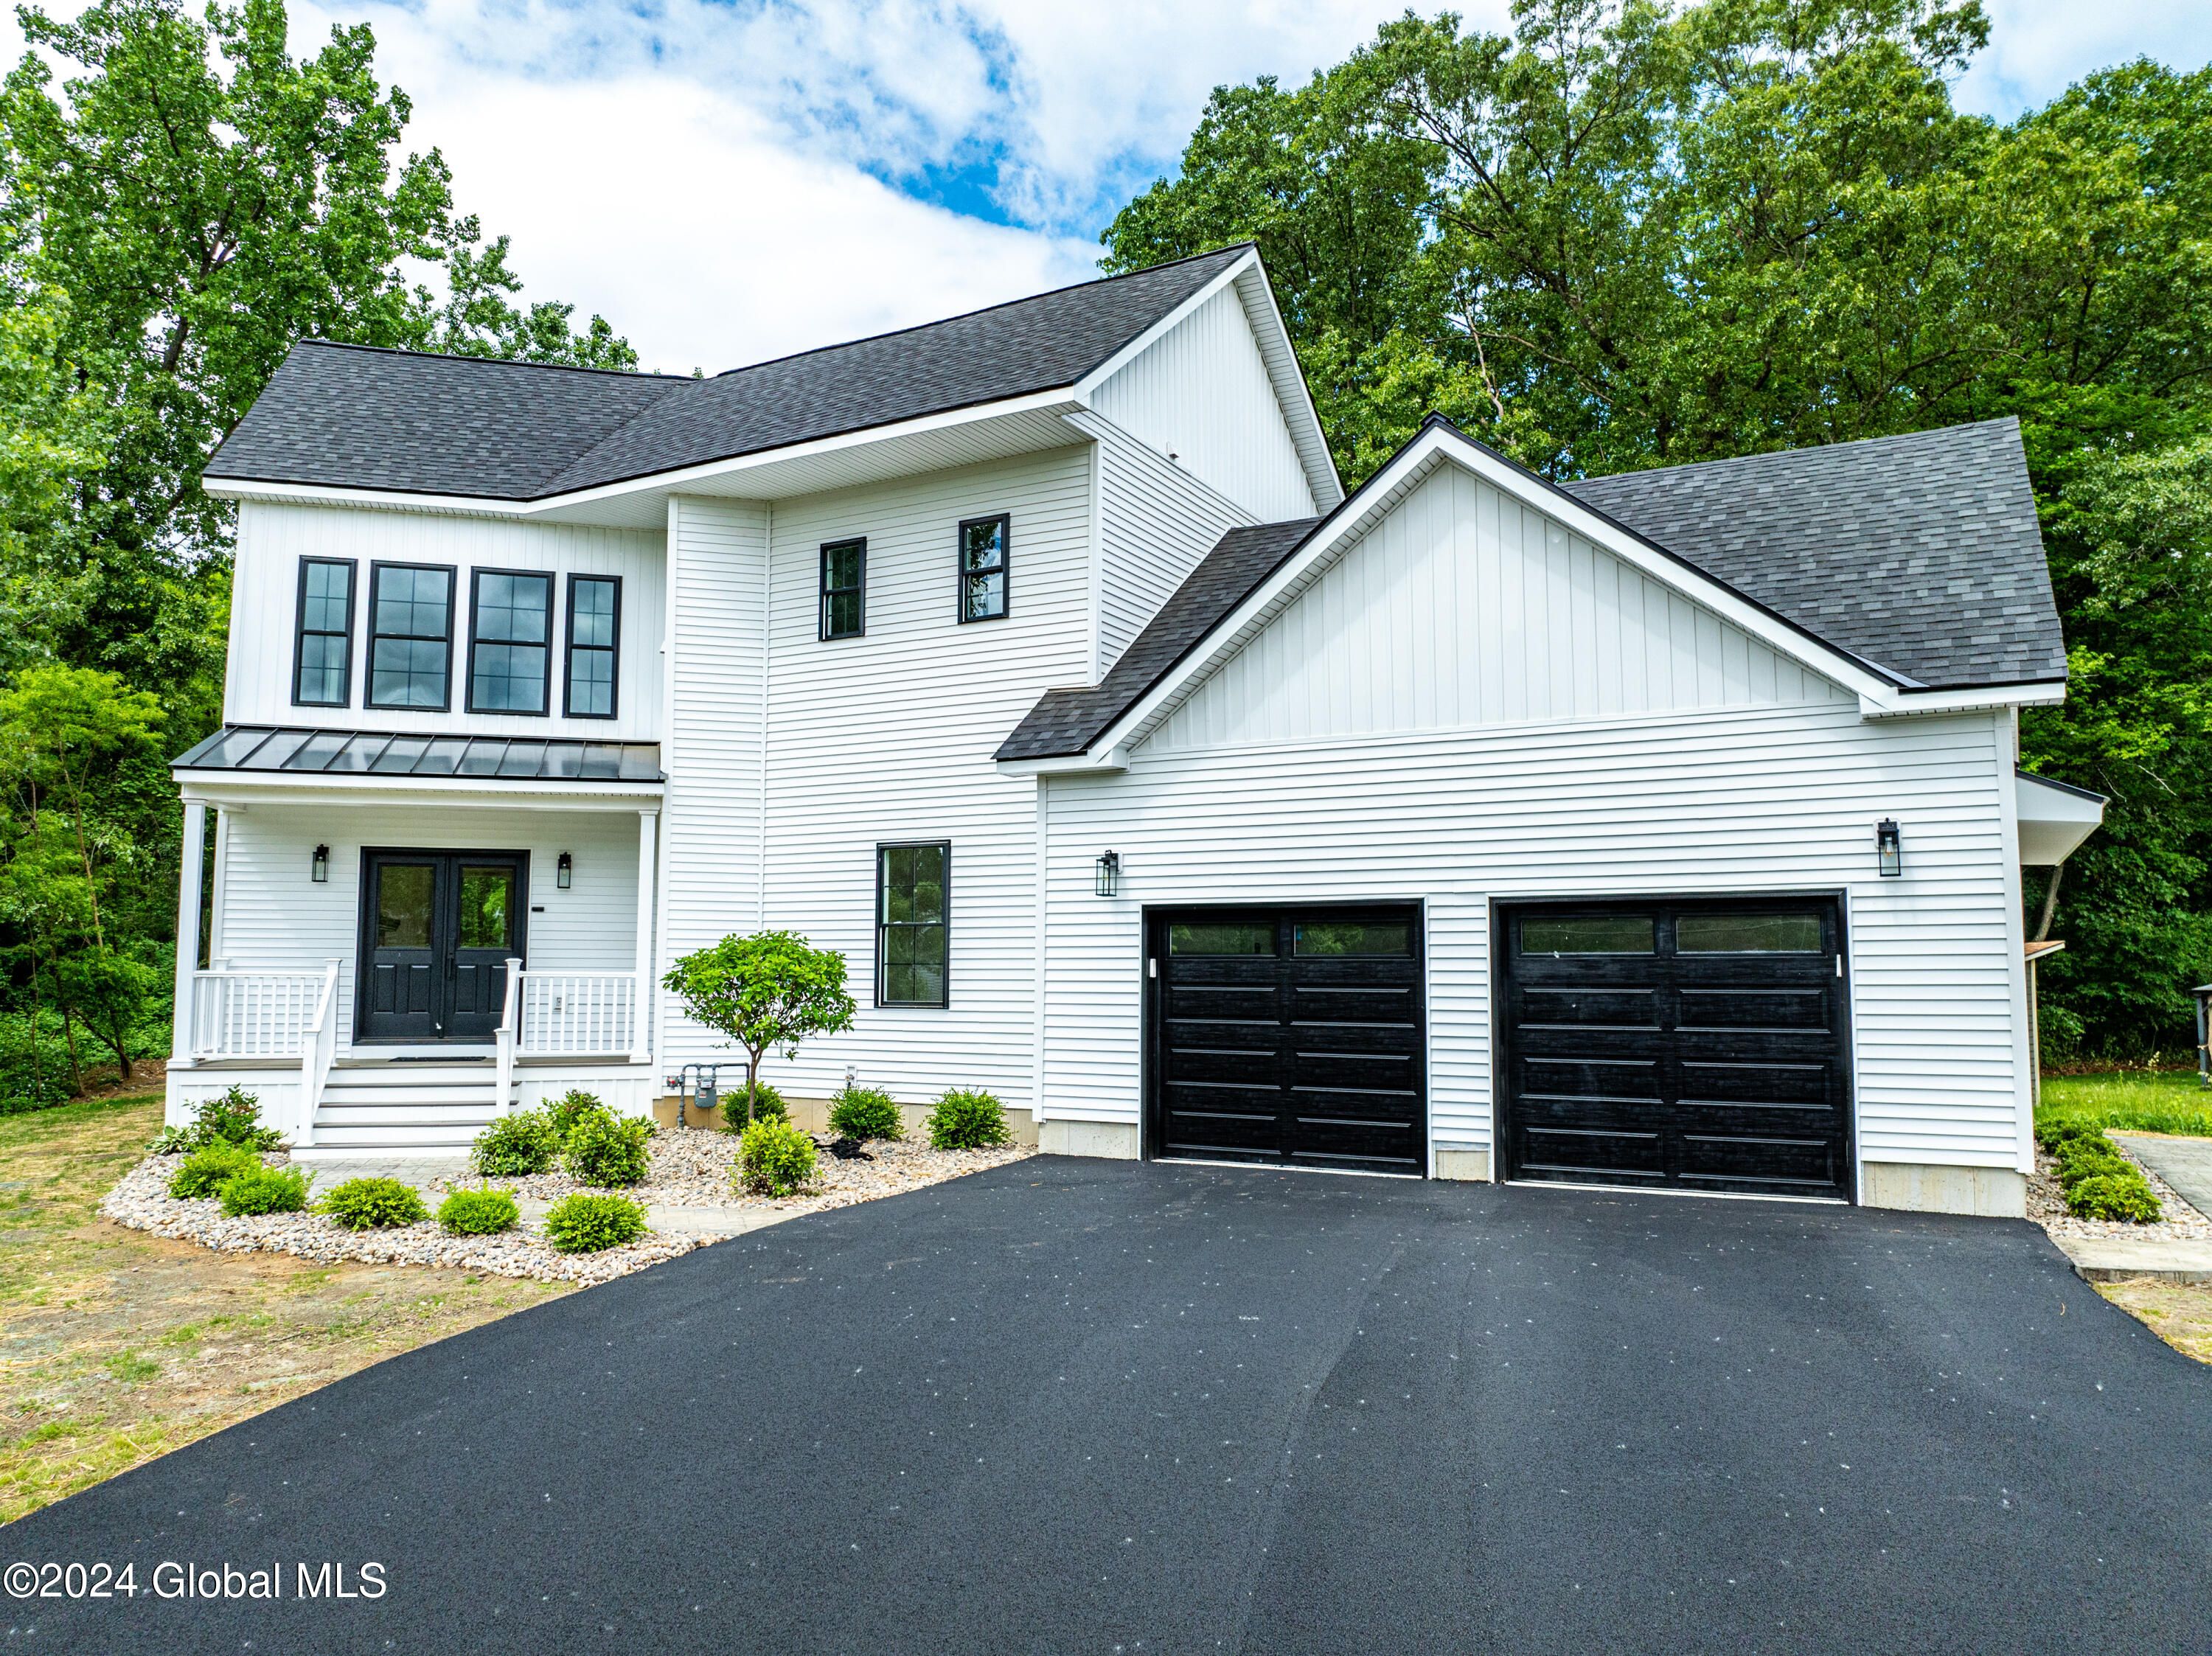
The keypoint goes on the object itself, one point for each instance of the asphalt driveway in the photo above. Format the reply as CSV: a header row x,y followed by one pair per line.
x,y
1078,1406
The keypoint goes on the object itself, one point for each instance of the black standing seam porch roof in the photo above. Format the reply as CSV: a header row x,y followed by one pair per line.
x,y
296,750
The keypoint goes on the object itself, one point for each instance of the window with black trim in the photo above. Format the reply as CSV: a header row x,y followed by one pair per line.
x,y
410,636
510,642
594,629
983,568
914,888
322,656
844,589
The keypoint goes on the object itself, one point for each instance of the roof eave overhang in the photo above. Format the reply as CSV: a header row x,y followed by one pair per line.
x,y
723,477
1917,702
231,790
1107,763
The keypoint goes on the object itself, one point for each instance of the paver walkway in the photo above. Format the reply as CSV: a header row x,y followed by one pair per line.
x,y
1083,1406
2184,1163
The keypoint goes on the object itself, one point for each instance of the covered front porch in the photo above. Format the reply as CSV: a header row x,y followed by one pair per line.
x,y
390,967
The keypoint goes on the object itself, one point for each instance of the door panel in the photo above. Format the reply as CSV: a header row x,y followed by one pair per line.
x,y
437,930
403,956
485,910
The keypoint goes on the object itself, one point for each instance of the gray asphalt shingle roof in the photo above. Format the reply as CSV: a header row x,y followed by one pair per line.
x,y
1919,554
347,416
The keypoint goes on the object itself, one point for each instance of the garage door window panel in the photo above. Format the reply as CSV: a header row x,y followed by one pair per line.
x,y
1748,934
1598,934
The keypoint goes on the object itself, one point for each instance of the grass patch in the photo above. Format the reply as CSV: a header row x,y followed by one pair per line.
x,y
2140,1101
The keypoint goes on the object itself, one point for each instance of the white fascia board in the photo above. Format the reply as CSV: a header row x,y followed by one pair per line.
x,y
1440,445
684,480
1910,704
228,789
1073,764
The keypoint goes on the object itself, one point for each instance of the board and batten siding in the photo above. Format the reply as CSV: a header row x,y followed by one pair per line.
x,y
1201,392
1157,521
711,839
273,539
274,918
1754,799
889,736
1464,607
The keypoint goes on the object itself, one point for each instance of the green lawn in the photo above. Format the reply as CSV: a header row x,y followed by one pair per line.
x,y
2163,1101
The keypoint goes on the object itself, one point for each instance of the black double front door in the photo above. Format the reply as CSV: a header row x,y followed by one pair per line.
x,y
437,930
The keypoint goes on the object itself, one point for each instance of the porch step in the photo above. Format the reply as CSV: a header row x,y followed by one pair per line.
x,y
404,1107
394,1097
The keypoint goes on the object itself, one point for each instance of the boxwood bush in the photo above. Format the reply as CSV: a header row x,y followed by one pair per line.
x,y
265,1189
2088,1158
865,1112
478,1212
587,1224
2125,1196
966,1120
774,1159
373,1204
204,1171
565,1111
767,1104
603,1149
515,1146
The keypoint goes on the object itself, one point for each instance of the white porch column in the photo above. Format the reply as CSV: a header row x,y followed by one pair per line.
x,y
188,928
640,1043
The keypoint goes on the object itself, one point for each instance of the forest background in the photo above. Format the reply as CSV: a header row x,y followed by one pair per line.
x,y
1617,235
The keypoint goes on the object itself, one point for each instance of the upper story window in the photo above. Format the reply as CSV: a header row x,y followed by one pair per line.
x,y
410,639
844,584
322,673
594,626
913,892
983,568
510,642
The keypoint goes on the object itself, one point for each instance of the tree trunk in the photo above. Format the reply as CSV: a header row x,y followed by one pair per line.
x,y
752,1079
2049,904
69,1039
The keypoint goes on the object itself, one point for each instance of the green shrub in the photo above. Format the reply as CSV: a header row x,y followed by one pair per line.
x,y
204,1171
516,1145
565,1111
265,1189
2086,1158
865,1113
373,1204
477,1212
603,1149
774,1159
2125,1196
2053,1131
968,1121
768,1105
587,1224
234,1119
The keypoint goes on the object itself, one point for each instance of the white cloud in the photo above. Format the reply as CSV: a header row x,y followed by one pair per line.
x,y
2038,48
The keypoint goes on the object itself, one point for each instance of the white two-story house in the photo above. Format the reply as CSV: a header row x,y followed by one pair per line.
x,y
1661,830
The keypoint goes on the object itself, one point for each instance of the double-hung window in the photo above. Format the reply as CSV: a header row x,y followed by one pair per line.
x,y
844,589
510,642
912,894
983,568
322,670
594,626
410,638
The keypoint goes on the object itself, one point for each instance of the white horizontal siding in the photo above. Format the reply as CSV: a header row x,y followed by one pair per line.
x,y
1201,392
264,610
274,918
1759,799
1156,522
1464,607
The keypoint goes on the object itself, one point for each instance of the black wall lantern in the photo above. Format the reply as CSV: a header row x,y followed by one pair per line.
x,y
1889,848
318,866
562,870
1108,873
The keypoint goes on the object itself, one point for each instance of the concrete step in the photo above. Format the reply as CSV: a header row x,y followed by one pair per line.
x,y
2115,1259
434,1138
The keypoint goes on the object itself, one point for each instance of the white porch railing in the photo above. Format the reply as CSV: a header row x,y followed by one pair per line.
x,y
503,1039
317,1053
576,1014
254,1014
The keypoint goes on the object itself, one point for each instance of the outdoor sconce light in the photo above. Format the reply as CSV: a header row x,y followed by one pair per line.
x,y
318,867
1889,848
1108,873
562,870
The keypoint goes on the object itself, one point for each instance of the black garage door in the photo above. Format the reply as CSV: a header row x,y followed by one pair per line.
x,y
1688,1045
1287,1037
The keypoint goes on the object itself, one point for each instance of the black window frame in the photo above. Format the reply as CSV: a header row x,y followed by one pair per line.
x,y
859,590
477,572
452,574
962,576
352,567
568,648
883,925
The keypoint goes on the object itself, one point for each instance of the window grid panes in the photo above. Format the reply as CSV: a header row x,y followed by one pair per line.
x,y
411,633
983,568
844,579
513,642
594,609
325,674
911,883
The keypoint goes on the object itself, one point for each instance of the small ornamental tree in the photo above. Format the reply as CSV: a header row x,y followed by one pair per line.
x,y
770,990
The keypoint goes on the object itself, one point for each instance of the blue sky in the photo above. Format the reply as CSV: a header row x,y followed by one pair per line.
x,y
728,181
